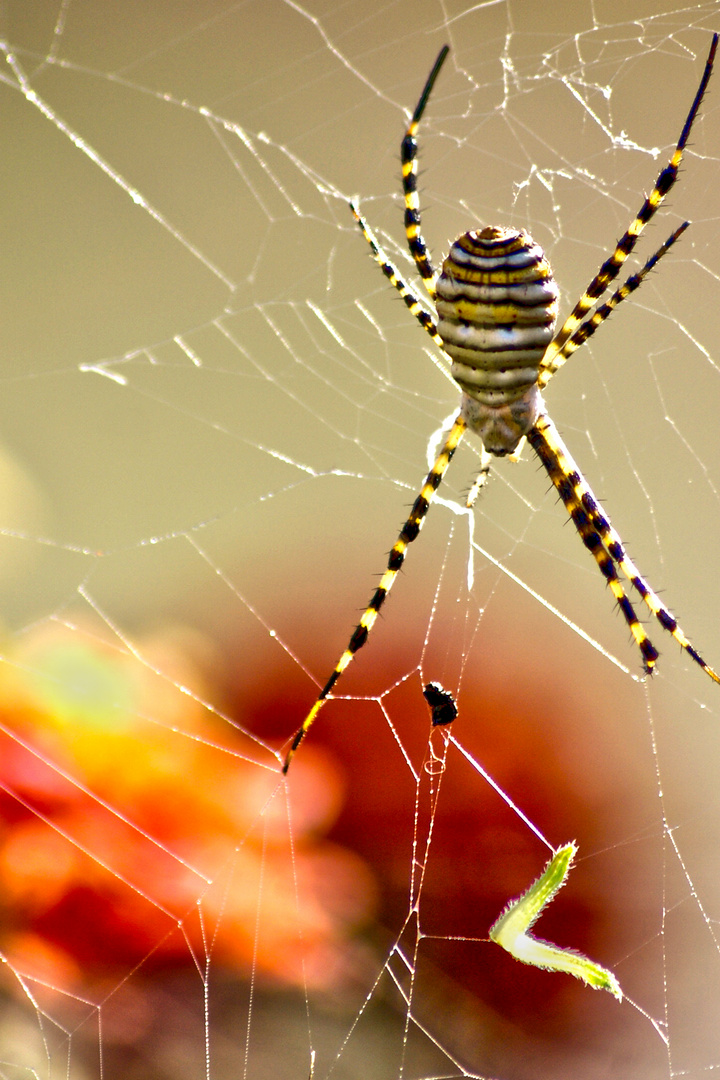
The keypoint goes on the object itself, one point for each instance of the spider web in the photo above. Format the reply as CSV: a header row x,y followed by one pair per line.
x,y
215,413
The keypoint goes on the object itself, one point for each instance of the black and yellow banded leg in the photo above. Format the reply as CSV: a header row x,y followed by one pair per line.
x,y
408,159
587,328
617,552
601,538
561,469
554,357
408,533
411,298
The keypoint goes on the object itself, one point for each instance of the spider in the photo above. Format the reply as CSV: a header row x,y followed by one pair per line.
x,y
495,301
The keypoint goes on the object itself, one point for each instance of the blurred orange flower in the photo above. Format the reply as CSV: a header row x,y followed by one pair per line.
x,y
139,827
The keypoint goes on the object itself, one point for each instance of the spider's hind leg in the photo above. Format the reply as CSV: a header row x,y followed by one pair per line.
x,y
408,533
545,440
603,541
617,552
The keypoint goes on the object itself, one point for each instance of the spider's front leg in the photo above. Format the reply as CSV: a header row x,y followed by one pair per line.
x,y
408,160
561,347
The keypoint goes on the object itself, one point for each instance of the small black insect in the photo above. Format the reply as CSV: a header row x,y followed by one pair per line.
x,y
442,703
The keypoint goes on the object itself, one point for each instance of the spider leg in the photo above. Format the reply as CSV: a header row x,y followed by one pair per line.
x,y
554,356
617,552
411,298
601,313
545,440
601,538
408,158
408,533
481,478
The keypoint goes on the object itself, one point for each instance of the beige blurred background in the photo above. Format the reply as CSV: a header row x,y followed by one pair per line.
x,y
203,371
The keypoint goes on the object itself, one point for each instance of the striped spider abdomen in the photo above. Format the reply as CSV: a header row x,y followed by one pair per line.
x,y
496,302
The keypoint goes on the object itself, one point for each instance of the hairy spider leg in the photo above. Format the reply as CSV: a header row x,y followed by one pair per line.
x,y
586,329
408,533
546,442
398,282
408,159
555,357
604,543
